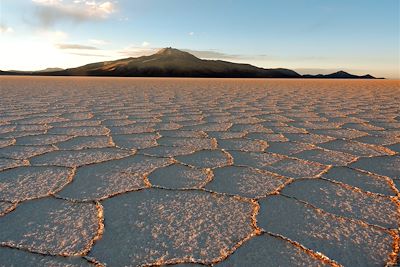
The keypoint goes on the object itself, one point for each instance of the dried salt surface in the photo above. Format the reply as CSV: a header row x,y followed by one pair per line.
x,y
17,257
245,182
269,137
206,159
339,200
136,141
51,226
309,138
178,176
191,142
304,112
11,163
135,128
158,226
296,168
6,142
45,139
267,250
347,242
226,135
364,181
6,207
254,159
341,133
25,183
288,148
167,151
80,130
357,149
243,145
75,158
386,165
84,142
328,157
24,152
102,180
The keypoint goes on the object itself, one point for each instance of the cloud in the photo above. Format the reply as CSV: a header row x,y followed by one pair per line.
x,y
5,29
88,55
135,51
97,42
49,12
211,54
191,33
145,44
76,46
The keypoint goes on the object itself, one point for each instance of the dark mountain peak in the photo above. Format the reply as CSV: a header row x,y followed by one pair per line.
x,y
173,52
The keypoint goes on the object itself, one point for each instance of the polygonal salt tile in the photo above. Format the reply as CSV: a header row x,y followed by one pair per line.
x,y
45,139
289,129
77,115
328,157
84,142
309,138
167,226
167,151
15,134
178,176
364,181
51,226
254,159
26,183
379,140
206,159
161,126
192,142
341,133
210,126
269,137
347,242
394,147
6,207
357,149
245,181
32,127
385,165
76,123
24,152
251,128
18,257
133,128
80,131
136,141
272,251
288,148
7,128
6,142
226,135
296,168
180,133
336,199
243,145
12,163
109,178
75,158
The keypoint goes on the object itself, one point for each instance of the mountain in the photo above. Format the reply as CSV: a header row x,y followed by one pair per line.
x,y
170,62
339,75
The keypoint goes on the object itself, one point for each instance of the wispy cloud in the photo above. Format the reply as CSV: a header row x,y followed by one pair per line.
x,y
145,44
211,54
137,51
50,12
76,46
97,42
5,29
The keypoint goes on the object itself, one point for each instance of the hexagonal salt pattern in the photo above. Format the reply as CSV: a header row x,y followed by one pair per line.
x,y
194,172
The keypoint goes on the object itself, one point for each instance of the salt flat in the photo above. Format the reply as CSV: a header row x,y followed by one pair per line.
x,y
230,172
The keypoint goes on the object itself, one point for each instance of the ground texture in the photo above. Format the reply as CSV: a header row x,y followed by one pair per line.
x,y
187,172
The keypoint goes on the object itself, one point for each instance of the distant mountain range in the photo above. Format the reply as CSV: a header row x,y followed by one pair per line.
x,y
170,62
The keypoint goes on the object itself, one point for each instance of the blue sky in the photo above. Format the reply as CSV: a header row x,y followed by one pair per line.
x,y
310,36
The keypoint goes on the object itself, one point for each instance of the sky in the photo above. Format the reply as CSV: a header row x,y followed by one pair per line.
x,y
309,36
